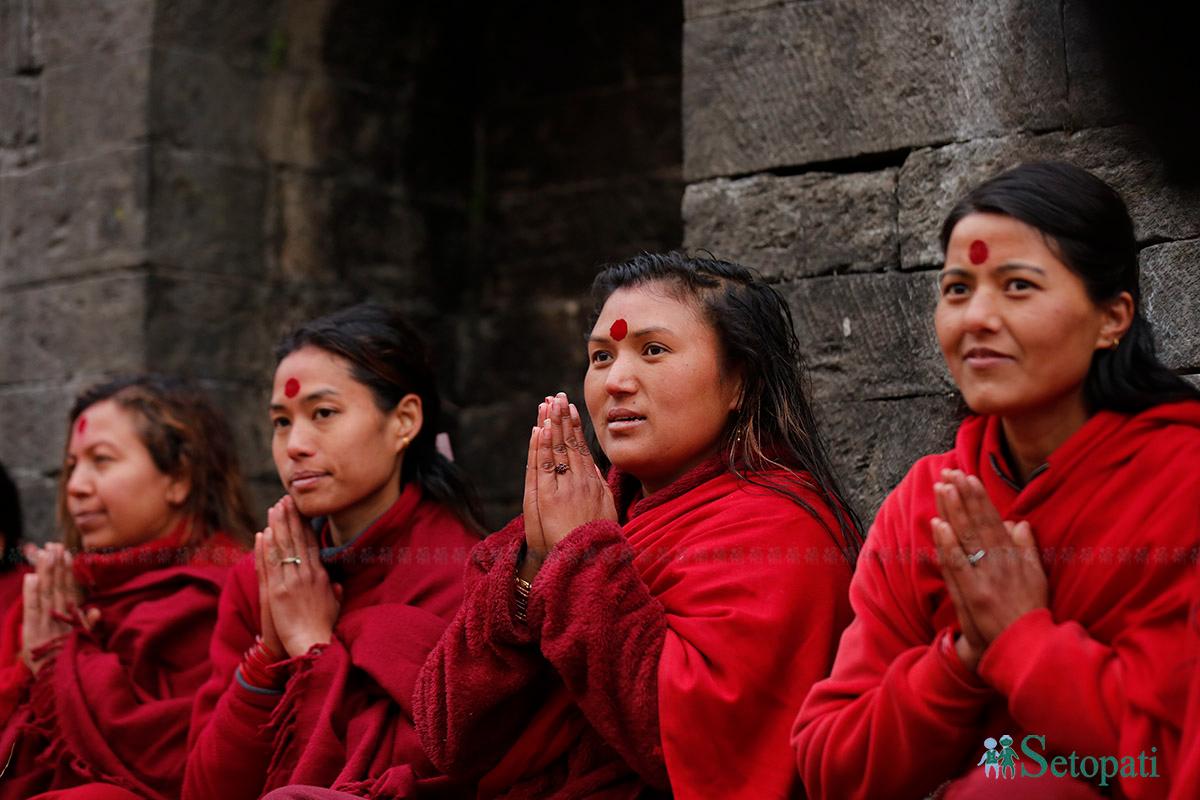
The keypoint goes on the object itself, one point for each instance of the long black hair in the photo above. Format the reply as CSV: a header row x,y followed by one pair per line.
x,y
774,431
1087,225
390,358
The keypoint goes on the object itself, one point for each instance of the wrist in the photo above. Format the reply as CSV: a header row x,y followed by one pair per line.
x,y
967,653
302,643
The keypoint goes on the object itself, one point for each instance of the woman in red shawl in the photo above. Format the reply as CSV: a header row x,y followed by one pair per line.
x,y
1021,599
321,633
104,654
656,638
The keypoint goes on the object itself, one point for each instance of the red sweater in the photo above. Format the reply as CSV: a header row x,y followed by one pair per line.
x,y
670,652
1098,672
112,704
1186,783
343,720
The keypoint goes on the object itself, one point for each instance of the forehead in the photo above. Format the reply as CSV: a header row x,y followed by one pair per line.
x,y
311,369
1003,236
106,420
650,305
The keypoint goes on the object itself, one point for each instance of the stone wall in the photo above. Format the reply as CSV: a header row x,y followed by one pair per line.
x,y
825,141
181,181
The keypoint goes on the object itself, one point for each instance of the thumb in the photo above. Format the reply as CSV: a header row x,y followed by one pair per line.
x,y
338,592
90,617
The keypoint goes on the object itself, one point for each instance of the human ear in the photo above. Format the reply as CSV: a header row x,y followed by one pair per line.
x,y
1117,317
178,490
406,420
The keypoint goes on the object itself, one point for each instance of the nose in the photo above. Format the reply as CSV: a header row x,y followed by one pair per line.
x,y
983,311
299,441
79,484
621,376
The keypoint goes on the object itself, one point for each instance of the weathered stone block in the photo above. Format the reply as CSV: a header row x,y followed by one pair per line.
x,y
870,337
33,425
208,214
1092,99
873,443
1171,297
797,226
933,179
73,218
20,125
200,102
242,34
98,104
71,30
39,506
20,42
209,326
805,82
695,9
55,333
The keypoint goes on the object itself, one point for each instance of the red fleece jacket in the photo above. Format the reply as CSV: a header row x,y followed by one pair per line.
x,y
1098,672
112,704
671,652
343,720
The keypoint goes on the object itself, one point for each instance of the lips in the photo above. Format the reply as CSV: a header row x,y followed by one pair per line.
x,y
87,521
623,419
982,357
306,479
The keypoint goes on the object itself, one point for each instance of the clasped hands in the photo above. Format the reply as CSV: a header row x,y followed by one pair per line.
x,y
52,601
563,486
299,603
992,568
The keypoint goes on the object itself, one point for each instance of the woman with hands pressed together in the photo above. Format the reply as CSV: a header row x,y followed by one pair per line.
x,y
102,657
654,632
321,633
1033,581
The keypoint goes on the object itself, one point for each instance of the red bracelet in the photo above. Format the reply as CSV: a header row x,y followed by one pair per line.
x,y
255,665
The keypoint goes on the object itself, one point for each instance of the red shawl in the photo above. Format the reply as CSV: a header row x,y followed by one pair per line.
x,y
675,648
112,704
1099,672
343,720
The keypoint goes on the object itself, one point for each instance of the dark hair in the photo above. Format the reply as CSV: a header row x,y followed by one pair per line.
x,y
11,526
774,428
1088,226
186,436
390,358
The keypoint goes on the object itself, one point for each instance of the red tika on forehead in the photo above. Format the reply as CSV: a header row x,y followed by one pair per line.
x,y
619,330
81,426
978,252
291,388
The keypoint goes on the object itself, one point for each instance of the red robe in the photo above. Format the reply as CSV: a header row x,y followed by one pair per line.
x,y
1186,779
112,704
671,652
343,720
1115,512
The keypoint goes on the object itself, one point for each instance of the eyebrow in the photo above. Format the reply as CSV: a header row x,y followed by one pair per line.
x,y
1011,266
600,338
308,398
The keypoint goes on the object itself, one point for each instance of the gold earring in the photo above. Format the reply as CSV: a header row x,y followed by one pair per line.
x,y
1116,343
404,443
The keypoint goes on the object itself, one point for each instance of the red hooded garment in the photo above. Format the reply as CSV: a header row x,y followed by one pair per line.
x,y
343,719
671,652
1115,513
112,704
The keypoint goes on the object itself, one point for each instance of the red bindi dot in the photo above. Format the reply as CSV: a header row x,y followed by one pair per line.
x,y
82,425
619,330
292,387
978,252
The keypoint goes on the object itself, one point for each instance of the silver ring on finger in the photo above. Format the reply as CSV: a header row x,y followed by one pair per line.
x,y
292,560
561,468
976,557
